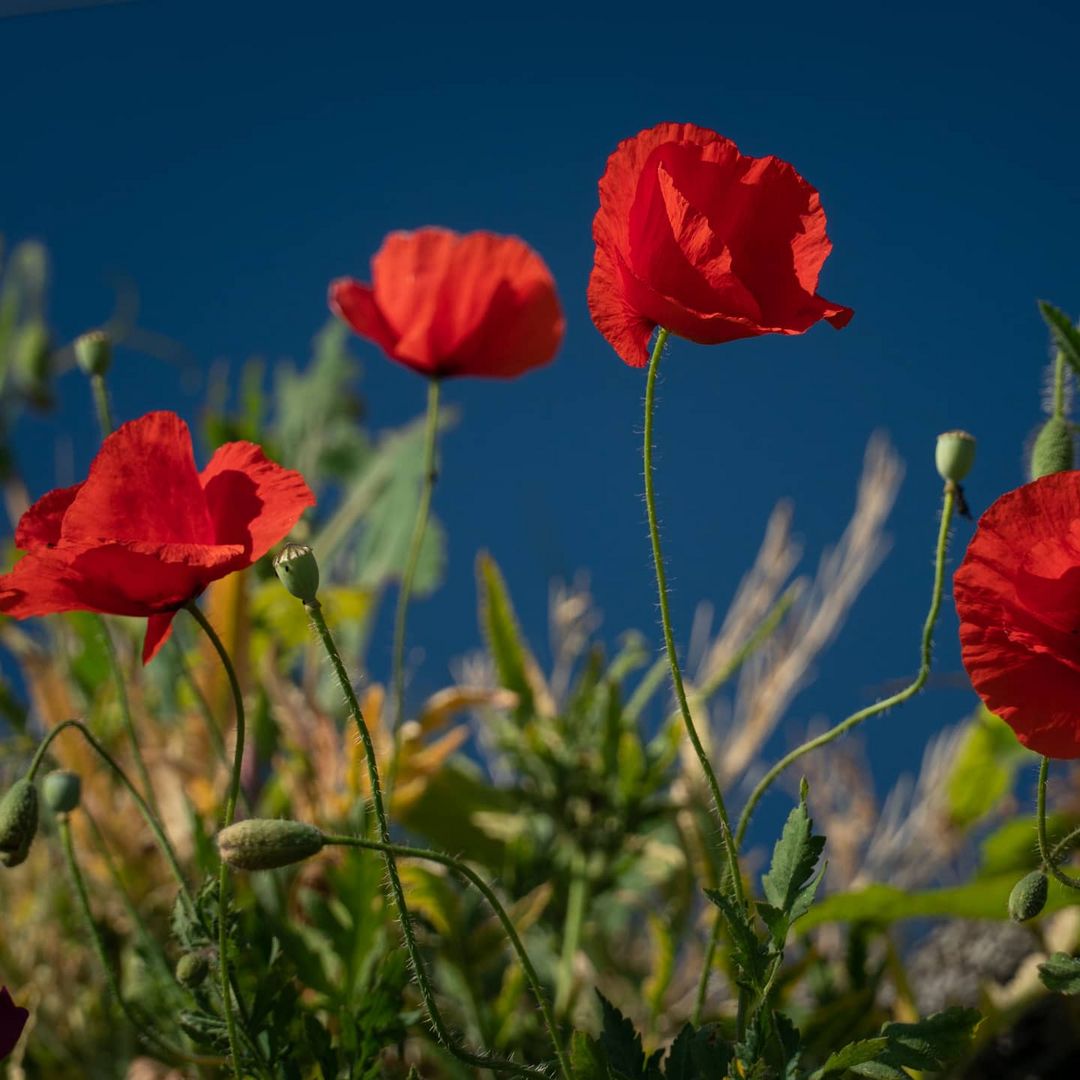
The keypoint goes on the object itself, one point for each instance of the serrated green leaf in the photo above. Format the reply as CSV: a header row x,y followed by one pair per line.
x,y
1061,973
933,1042
621,1045
697,1054
586,1058
794,857
503,636
856,1053
747,950
1066,336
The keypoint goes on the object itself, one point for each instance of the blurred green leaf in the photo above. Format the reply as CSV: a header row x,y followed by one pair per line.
x,y
1061,973
984,770
502,634
1065,335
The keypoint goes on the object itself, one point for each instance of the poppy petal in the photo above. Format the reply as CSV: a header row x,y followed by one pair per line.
x,y
150,455
354,303
41,522
253,501
158,631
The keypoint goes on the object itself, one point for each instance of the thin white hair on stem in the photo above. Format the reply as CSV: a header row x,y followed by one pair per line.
x,y
770,681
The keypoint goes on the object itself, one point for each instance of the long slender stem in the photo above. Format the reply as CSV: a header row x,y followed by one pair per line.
x,y
228,987
885,704
576,904
730,847
1044,848
1059,385
470,875
101,404
79,884
125,711
148,815
201,703
318,622
412,559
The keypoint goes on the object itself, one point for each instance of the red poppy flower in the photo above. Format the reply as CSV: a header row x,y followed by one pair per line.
x,y
145,532
1018,597
12,1021
444,304
693,236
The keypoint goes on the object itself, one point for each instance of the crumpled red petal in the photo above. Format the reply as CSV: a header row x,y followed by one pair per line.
x,y
41,522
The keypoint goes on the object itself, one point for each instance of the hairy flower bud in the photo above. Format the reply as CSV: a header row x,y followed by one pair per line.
x,y
267,843
18,822
192,969
954,455
1028,896
61,791
298,570
93,352
1053,450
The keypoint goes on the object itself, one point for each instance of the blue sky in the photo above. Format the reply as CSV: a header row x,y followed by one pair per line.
x,y
232,158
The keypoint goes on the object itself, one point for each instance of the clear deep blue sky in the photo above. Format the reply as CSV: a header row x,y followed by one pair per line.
x,y
232,158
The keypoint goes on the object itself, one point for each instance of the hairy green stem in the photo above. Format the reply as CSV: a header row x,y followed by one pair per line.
x,y
470,875
885,704
144,808
412,560
79,884
318,622
1044,849
228,986
669,638
1059,385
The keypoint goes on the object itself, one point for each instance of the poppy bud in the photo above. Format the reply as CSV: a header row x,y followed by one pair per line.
x,y
61,790
1053,449
1028,896
955,454
298,570
32,355
192,969
267,843
18,822
93,352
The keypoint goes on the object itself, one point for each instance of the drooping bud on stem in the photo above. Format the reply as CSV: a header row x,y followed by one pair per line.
x,y
93,352
267,843
18,822
954,455
61,791
1053,451
1028,896
298,571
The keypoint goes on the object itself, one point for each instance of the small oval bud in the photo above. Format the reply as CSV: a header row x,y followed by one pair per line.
x,y
1053,450
954,455
93,352
1028,896
61,791
267,843
192,969
18,822
298,570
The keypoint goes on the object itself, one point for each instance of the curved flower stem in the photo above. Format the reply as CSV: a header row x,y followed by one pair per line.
x,y
470,875
144,808
201,703
412,560
576,904
125,711
1044,850
79,884
482,1061
729,845
228,987
1061,848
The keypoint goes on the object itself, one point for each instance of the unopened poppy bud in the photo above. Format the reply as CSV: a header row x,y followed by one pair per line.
x,y
18,822
955,454
1053,449
93,352
1028,896
192,969
61,791
298,570
32,356
267,843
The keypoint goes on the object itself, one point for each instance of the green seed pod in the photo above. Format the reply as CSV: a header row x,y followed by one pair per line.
x,y
298,570
61,791
18,822
954,455
1028,896
93,352
192,969
1053,450
267,843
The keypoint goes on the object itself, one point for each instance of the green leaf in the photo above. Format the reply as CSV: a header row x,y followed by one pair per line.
x,y
1061,973
882,905
794,858
498,622
984,769
856,1053
621,1046
747,951
697,1054
586,1058
1065,335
